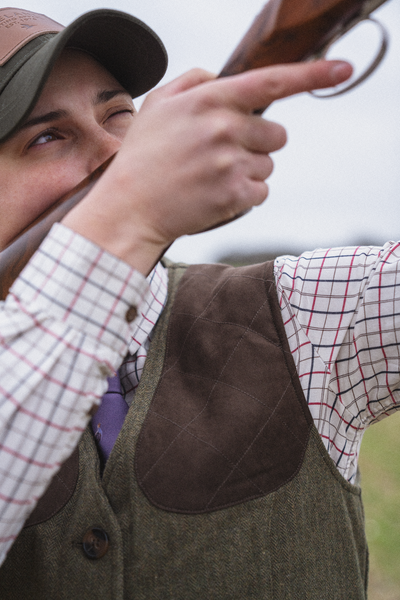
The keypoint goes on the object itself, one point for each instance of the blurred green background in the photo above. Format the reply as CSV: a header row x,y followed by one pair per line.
x,y
380,480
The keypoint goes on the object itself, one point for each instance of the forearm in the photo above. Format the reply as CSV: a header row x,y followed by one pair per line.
x,y
62,331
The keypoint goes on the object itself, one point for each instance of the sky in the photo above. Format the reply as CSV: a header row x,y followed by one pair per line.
x,y
337,182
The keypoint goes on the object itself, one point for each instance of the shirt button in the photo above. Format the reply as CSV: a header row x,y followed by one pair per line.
x,y
131,314
95,542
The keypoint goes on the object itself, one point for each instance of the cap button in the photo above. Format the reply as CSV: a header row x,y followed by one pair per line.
x,y
131,314
95,543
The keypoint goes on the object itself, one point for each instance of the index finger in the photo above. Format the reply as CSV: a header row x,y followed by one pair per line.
x,y
260,87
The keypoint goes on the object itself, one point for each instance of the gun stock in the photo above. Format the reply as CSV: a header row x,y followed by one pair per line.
x,y
285,31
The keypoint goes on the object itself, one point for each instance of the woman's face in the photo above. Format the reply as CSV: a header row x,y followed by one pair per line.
x,y
78,122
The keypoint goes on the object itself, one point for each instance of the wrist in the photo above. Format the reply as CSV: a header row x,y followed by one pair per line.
x,y
115,235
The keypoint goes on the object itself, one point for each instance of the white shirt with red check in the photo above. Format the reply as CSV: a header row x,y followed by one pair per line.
x,y
341,310
63,329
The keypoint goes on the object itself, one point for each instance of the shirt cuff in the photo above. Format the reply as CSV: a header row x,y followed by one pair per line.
x,y
73,280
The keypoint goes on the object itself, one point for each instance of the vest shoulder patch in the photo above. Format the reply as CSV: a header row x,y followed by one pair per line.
x,y
228,421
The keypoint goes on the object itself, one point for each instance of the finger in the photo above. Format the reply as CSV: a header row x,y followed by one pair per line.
x,y
258,192
259,87
263,136
261,167
251,189
261,193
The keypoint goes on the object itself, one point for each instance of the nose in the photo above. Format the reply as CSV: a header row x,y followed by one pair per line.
x,y
100,146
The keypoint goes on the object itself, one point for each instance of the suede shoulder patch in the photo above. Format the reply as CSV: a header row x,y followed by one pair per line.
x,y
228,421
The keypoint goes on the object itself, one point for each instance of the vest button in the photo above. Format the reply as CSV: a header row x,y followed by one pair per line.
x,y
95,542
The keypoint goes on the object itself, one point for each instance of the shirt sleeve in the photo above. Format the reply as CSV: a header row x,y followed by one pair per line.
x,y
341,310
63,329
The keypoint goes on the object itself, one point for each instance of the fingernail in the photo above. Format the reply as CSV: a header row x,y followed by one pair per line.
x,y
340,72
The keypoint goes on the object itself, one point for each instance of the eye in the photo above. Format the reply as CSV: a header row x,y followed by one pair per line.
x,y
45,137
125,111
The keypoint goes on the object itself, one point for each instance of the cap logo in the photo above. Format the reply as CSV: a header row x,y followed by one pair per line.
x,y
18,27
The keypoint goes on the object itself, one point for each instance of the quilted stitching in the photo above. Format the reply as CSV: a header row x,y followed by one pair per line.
x,y
225,424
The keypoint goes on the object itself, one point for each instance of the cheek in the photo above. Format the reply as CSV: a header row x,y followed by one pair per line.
x,y
118,125
38,192
43,186
19,206
26,196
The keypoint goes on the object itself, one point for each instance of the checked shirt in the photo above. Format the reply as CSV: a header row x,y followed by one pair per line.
x,y
62,331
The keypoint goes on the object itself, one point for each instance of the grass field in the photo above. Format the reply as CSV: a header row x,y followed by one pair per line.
x,y
380,480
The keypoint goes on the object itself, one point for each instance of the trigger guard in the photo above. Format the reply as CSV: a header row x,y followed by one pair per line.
x,y
375,63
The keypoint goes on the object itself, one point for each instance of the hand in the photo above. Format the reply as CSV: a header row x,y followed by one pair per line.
x,y
195,155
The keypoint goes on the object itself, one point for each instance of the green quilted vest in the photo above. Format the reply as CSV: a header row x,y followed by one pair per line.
x,y
218,487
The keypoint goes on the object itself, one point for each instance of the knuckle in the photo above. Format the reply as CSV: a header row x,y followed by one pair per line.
x,y
224,127
276,85
225,162
200,74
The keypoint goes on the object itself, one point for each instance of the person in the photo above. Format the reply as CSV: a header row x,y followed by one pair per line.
x,y
234,472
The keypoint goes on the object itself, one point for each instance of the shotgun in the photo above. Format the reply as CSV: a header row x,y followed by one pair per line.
x,y
285,31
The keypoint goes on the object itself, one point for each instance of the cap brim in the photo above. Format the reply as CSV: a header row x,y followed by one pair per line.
x,y
124,45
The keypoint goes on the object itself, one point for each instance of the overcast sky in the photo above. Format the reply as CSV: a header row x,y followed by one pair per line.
x,y
337,181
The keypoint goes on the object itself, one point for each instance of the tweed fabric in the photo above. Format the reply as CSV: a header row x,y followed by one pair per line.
x,y
303,541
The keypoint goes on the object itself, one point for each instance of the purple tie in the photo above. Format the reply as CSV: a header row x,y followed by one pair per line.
x,y
109,418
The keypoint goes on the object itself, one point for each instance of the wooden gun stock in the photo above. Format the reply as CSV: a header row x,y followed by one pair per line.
x,y
285,31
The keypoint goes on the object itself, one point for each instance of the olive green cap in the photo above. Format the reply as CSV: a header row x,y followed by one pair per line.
x,y
30,43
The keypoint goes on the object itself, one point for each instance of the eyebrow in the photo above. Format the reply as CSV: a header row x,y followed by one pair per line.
x,y
105,95
55,115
